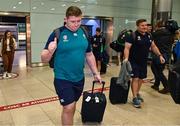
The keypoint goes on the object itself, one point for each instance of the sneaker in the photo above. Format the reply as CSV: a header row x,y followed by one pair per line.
x,y
5,75
108,64
155,87
9,75
164,91
136,102
140,98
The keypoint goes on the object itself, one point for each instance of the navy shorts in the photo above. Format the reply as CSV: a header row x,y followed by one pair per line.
x,y
68,91
98,56
139,71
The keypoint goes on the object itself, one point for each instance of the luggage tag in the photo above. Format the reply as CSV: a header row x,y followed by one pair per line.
x,y
88,99
96,99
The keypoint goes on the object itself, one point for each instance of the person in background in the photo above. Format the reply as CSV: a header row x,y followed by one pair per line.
x,y
7,50
98,45
149,28
176,47
163,39
136,51
71,51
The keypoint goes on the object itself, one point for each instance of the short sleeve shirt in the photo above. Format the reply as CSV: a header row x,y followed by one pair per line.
x,y
140,47
70,54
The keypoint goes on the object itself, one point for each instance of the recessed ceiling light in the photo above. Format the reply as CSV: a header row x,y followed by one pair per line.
x,y
34,8
77,1
14,7
20,2
52,9
83,6
63,5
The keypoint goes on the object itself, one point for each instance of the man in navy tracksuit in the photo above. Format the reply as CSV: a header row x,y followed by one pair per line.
x,y
98,45
136,50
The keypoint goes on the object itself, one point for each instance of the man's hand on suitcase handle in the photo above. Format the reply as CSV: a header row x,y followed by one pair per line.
x,y
97,77
96,81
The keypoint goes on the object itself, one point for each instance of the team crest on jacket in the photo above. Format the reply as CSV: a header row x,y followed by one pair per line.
x,y
75,34
138,38
65,38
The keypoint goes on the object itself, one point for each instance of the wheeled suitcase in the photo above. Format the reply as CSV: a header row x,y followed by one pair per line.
x,y
93,105
117,94
174,82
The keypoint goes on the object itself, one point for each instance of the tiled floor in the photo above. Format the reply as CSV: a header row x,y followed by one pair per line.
x,y
30,100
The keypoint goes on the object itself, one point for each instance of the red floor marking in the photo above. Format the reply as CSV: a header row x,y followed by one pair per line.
x,y
39,101
29,103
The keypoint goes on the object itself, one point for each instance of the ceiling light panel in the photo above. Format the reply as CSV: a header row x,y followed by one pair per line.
x,y
15,5
20,2
49,6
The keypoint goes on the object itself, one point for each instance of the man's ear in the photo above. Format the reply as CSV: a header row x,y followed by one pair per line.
x,y
65,19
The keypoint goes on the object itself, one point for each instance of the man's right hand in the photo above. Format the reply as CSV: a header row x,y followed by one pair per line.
x,y
52,46
97,77
162,60
125,60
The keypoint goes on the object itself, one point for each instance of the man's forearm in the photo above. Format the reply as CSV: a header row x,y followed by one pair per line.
x,y
126,54
91,63
156,51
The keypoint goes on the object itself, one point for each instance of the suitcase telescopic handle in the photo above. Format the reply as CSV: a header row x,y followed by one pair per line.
x,y
103,83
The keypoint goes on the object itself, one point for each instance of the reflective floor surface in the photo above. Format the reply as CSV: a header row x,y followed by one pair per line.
x,y
30,99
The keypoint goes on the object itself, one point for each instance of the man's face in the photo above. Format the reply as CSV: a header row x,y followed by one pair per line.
x,y
98,33
142,27
73,22
149,28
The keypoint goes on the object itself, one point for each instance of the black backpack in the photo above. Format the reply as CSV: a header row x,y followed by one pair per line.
x,y
118,45
172,26
57,35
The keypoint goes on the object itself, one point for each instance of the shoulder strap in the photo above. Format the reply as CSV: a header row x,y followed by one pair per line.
x,y
85,32
134,36
57,33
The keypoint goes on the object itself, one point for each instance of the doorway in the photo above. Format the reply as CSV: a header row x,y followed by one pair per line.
x,y
106,25
17,24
